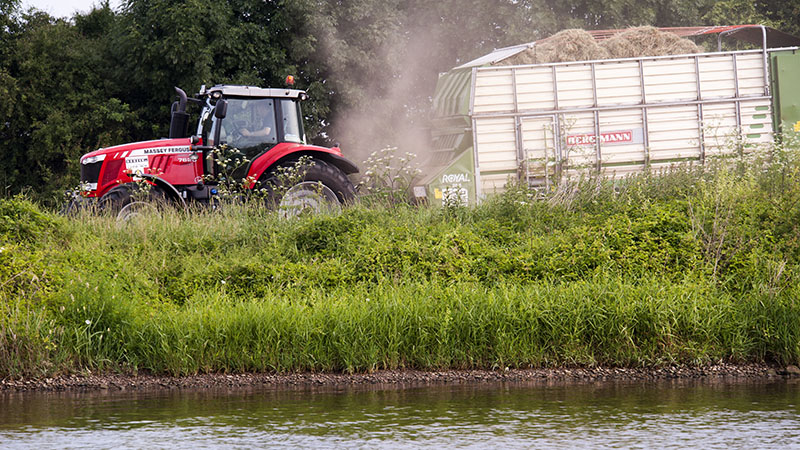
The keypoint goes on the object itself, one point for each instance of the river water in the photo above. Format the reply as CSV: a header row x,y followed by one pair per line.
x,y
679,414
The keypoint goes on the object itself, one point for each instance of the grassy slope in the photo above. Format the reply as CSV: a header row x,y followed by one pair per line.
x,y
687,267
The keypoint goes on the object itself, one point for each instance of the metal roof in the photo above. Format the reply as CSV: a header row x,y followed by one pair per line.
x,y
497,55
253,91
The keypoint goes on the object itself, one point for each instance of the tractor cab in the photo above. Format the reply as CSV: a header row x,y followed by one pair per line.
x,y
251,117
250,120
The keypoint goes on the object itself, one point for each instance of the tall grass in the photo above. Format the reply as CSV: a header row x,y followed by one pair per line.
x,y
691,266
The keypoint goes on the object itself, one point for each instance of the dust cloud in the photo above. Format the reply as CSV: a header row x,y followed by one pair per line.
x,y
396,105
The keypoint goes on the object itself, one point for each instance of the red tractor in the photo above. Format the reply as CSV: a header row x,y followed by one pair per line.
x,y
263,125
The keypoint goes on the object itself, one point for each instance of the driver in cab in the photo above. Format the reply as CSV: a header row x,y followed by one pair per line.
x,y
260,121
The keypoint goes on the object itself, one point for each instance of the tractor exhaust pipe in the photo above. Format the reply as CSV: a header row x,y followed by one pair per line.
x,y
179,125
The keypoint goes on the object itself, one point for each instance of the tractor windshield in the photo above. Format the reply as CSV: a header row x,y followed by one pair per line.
x,y
249,124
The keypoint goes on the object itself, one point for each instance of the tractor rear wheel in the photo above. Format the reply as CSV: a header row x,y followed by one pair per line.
x,y
296,188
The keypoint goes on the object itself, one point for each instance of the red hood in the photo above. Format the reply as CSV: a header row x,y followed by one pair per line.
x,y
139,146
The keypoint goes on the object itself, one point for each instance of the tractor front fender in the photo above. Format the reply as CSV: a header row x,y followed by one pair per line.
x,y
344,164
170,191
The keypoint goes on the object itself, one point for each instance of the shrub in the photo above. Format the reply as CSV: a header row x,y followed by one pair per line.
x,y
23,221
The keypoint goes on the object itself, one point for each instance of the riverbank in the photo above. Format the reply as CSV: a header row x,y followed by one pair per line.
x,y
120,382
684,269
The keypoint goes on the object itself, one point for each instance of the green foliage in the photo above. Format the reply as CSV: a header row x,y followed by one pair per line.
x,y
689,267
785,15
736,12
23,221
387,176
56,104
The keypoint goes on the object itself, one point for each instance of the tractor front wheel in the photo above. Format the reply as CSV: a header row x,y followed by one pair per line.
x,y
129,201
115,199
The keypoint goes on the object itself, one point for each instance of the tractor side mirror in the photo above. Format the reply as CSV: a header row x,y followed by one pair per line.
x,y
221,110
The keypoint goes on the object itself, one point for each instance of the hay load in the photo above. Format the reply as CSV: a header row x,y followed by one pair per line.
x,y
580,45
648,41
564,46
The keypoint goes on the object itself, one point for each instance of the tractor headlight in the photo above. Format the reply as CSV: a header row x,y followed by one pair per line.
x,y
93,159
88,187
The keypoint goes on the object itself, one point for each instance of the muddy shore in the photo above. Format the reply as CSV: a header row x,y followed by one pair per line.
x,y
143,381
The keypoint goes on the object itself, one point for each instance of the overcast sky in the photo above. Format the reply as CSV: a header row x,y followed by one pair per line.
x,y
65,8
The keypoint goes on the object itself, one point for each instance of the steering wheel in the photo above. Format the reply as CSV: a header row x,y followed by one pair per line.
x,y
236,135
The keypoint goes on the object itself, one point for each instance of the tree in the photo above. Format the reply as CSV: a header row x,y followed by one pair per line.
x,y
736,12
56,107
785,15
159,44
